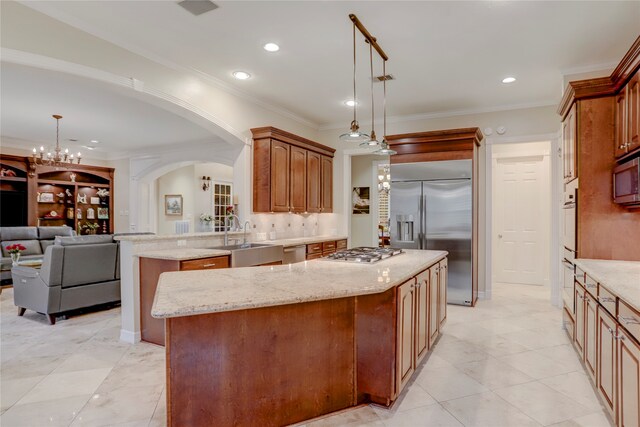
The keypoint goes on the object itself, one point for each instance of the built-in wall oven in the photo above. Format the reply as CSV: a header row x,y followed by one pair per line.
x,y
569,242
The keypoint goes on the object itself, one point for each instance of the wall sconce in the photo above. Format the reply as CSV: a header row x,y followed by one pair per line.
x,y
206,182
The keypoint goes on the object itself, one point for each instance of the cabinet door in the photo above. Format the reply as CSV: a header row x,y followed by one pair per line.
x,y
442,294
422,316
621,124
579,338
280,177
569,144
433,304
326,198
606,360
633,113
298,180
406,313
314,173
628,380
590,334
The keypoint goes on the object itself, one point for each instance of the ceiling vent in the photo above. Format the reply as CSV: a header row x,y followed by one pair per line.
x,y
198,7
383,78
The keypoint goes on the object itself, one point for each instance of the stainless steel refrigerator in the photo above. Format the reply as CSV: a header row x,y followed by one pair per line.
x,y
432,208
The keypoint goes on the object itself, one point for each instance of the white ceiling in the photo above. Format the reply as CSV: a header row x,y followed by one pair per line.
x,y
446,56
90,110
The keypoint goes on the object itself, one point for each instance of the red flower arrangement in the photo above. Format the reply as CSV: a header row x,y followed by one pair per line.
x,y
15,249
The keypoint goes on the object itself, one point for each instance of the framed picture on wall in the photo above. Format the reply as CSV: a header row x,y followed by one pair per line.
x,y
360,198
103,213
173,204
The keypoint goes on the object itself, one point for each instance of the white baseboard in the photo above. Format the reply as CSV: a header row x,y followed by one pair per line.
x,y
484,294
130,337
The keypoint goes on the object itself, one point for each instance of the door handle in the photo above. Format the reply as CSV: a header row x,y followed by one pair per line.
x,y
499,236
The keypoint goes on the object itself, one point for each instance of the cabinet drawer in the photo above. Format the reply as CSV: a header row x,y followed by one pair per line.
x,y
341,244
327,253
568,323
580,275
328,246
607,300
629,319
591,285
314,256
314,248
205,263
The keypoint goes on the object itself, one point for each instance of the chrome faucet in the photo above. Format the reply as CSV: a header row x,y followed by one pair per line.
x,y
226,228
244,237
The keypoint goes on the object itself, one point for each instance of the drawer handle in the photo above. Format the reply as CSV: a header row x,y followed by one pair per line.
x,y
629,320
210,265
606,299
610,331
619,337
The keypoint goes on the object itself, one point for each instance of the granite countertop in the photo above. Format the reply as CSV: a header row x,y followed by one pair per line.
x,y
620,277
182,254
190,293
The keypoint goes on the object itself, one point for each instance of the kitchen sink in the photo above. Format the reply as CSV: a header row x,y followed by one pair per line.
x,y
252,254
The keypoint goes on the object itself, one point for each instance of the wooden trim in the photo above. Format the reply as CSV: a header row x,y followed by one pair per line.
x,y
449,144
270,132
602,86
463,134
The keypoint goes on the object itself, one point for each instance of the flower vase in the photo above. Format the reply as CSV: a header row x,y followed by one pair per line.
x,y
15,257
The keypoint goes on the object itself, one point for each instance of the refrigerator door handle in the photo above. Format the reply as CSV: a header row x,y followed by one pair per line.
x,y
423,224
420,213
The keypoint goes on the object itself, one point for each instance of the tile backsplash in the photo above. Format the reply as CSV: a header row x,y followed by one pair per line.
x,y
288,226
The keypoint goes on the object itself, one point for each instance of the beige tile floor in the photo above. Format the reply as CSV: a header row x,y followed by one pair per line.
x,y
504,363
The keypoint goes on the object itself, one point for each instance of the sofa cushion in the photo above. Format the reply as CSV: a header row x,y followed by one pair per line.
x,y
32,247
88,263
44,244
52,232
18,233
84,240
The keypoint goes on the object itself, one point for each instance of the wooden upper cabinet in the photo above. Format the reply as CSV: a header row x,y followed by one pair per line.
x,y
569,145
326,198
314,173
290,173
280,178
633,113
621,124
298,181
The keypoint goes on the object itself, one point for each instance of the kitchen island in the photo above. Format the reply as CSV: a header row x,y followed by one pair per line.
x,y
281,344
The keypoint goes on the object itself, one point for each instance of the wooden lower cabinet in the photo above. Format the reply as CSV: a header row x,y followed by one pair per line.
x,y
434,274
152,329
578,340
590,334
606,359
406,332
422,316
628,355
442,293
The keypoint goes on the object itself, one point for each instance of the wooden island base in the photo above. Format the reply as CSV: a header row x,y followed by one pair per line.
x,y
273,366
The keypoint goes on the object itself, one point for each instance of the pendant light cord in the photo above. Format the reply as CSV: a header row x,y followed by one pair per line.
x,y
373,132
354,74
384,100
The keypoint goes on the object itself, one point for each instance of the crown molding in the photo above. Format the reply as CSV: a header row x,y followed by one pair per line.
x,y
446,113
606,67
52,12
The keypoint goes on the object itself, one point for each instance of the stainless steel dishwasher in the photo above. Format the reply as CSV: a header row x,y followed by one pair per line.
x,y
293,254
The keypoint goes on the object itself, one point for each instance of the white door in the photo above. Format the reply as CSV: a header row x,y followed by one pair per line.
x,y
521,223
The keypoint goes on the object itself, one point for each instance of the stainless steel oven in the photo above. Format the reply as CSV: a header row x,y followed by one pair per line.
x,y
626,178
569,210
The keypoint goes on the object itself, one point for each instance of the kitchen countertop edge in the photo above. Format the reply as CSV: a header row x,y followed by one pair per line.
x,y
616,276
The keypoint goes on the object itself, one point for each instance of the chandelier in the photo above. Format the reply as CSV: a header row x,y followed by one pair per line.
x,y
57,158
384,179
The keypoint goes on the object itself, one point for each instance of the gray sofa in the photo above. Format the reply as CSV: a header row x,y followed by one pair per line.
x,y
77,272
35,239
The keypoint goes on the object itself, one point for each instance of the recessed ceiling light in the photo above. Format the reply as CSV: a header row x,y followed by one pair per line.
x,y
241,75
508,80
271,47
95,141
88,147
350,103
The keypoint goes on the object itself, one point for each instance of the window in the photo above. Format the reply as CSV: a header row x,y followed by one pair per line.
x,y
222,198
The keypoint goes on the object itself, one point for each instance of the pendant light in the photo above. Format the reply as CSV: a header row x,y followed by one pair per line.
x,y
373,141
354,134
384,149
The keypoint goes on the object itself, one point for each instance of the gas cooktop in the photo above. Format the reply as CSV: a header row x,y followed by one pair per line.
x,y
364,254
